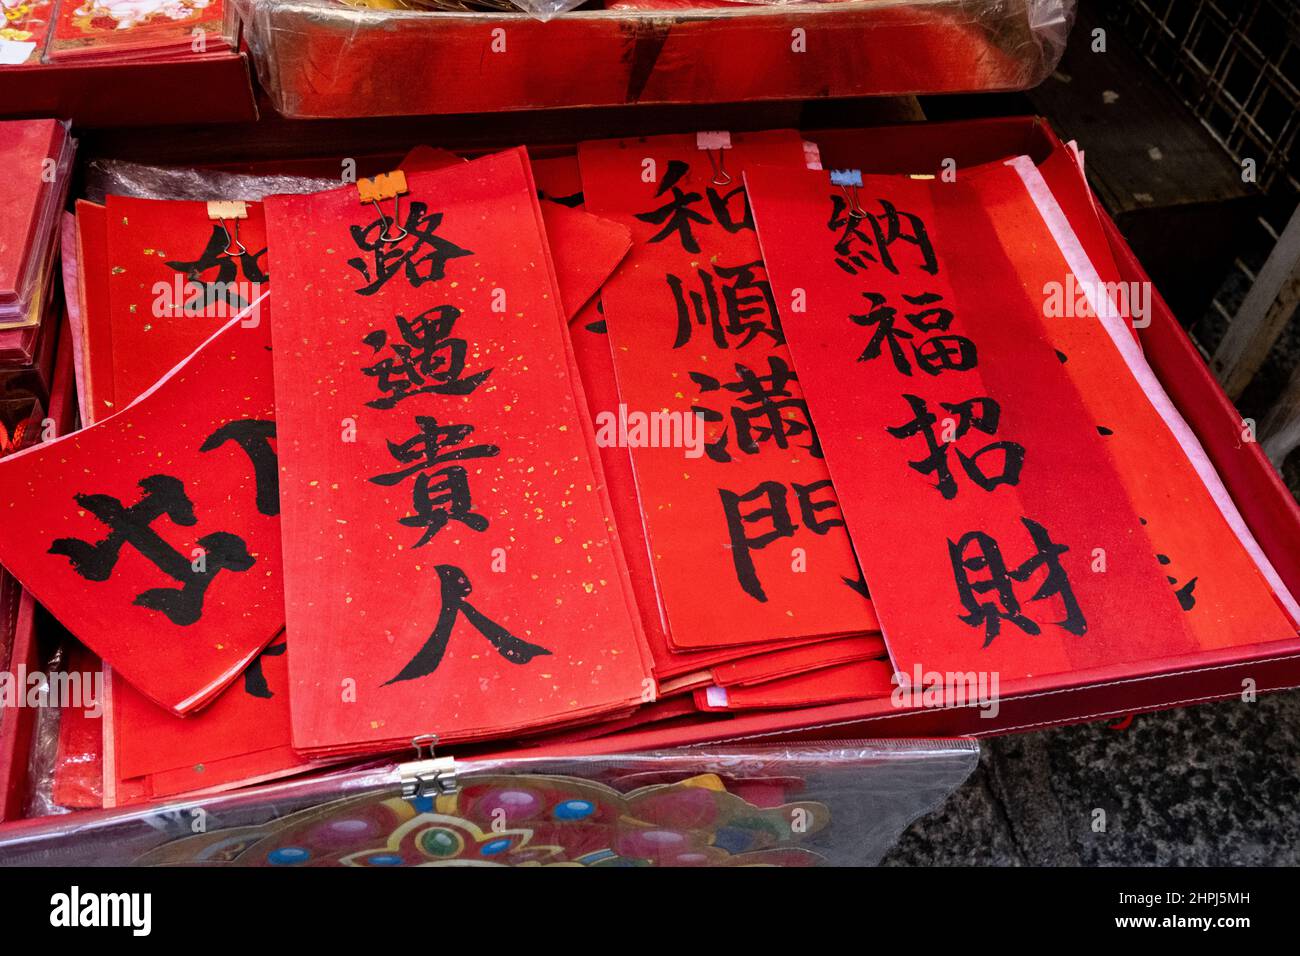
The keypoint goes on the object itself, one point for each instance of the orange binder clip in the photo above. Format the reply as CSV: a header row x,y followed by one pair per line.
x,y
379,188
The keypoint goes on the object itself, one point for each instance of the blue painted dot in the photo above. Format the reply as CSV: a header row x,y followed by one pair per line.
x,y
287,856
384,859
574,810
733,839
493,847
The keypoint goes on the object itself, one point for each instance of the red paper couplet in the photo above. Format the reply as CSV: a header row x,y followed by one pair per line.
x,y
451,563
175,276
558,182
745,534
243,737
154,536
992,526
1226,599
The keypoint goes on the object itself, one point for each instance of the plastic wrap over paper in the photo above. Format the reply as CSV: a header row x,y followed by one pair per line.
x,y
45,747
837,803
119,178
326,58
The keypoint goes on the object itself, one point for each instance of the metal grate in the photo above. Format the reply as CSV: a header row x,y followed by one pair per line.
x,y
1236,64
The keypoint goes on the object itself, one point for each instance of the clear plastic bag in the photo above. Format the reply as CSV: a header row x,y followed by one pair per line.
x,y
839,803
120,178
65,770
45,748
326,58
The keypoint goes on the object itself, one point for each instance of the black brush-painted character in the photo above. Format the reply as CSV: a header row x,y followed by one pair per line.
x,y
254,436
455,588
775,515
421,253
981,414
859,248
764,410
932,355
230,271
441,493
428,360
977,553
1186,592
676,215
734,303
255,684
163,495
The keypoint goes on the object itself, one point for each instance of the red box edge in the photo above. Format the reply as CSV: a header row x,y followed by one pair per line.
x,y
96,95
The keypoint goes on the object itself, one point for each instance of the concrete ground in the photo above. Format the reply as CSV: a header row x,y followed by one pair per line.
x,y
1217,784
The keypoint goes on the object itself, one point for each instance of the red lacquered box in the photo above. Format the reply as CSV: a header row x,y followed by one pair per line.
x,y
1264,501
215,88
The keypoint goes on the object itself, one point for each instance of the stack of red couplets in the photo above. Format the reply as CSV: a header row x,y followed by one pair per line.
x,y
654,432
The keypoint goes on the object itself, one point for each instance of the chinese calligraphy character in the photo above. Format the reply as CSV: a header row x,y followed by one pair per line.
x,y
853,249
454,588
677,215
775,513
421,254
934,355
976,552
224,285
428,360
441,492
764,410
981,414
254,437
733,302
163,495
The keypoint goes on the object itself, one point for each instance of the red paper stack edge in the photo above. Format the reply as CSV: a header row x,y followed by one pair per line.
x,y
99,31
38,155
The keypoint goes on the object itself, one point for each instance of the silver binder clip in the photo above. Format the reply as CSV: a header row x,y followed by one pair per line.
x,y
850,181
219,210
380,188
427,776
714,142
